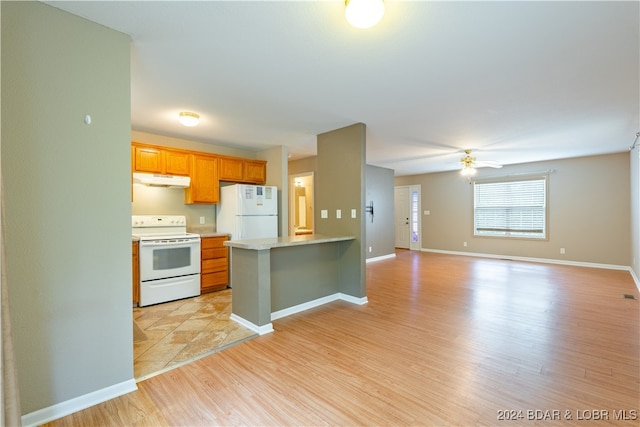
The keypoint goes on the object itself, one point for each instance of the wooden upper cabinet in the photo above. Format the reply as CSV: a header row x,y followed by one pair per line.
x,y
176,162
159,160
148,159
205,182
243,170
230,169
205,169
255,171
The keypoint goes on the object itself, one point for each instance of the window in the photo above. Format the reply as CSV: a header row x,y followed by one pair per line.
x,y
414,216
511,208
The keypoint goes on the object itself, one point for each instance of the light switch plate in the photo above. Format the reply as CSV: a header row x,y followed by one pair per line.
x,y
338,213
324,213
353,213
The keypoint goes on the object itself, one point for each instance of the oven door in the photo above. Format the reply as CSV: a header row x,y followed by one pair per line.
x,y
164,258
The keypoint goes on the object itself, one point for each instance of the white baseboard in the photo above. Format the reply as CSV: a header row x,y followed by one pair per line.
x,y
635,278
529,259
316,303
71,406
261,330
353,300
380,258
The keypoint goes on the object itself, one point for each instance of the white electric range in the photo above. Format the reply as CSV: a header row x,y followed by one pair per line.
x,y
169,258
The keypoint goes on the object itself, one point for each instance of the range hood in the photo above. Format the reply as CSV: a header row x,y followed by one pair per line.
x,y
158,180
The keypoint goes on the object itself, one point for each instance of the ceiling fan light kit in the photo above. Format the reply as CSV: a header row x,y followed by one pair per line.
x,y
467,164
363,13
468,171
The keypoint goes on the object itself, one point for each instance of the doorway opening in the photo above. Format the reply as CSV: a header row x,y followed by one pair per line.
x,y
408,224
301,202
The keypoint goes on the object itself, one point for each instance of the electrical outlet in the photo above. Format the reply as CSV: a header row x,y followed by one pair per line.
x,y
369,249
464,244
324,214
338,213
427,212
562,251
202,220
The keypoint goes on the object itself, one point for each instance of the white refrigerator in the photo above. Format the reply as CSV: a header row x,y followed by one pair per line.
x,y
248,211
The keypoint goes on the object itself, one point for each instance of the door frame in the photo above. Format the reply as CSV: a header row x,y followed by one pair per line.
x,y
417,189
291,197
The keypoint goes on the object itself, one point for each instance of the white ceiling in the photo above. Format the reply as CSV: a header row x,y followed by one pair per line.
x,y
515,81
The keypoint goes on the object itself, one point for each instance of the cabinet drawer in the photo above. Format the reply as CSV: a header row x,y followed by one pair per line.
x,y
216,264
213,279
214,253
213,242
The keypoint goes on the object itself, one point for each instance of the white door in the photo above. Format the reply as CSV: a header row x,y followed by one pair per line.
x,y
402,213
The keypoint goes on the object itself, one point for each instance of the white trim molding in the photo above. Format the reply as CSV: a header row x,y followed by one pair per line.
x,y
354,300
261,330
316,303
71,406
380,258
529,259
635,278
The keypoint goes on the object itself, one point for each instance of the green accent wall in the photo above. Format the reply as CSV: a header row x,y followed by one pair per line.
x,y
67,202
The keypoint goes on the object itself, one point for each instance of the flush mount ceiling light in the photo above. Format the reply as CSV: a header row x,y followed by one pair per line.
x,y
363,13
188,119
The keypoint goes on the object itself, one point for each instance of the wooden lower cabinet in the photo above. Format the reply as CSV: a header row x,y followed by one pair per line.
x,y
214,268
135,261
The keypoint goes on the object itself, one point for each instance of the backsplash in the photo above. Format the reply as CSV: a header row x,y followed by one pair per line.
x,y
170,201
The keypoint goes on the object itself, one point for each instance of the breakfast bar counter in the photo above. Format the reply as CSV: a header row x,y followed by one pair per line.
x,y
275,277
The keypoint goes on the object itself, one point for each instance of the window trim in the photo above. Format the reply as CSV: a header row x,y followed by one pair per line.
x,y
512,178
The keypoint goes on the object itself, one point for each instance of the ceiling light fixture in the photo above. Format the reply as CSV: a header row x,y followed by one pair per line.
x,y
468,171
188,119
467,165
363,13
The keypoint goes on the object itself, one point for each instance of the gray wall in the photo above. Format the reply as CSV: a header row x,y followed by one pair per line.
x,y
67,202
588,211
340,184
380,231
307,164
635,211
277,175
379,184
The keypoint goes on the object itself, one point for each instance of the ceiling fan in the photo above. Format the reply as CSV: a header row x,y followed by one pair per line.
x,y
469,164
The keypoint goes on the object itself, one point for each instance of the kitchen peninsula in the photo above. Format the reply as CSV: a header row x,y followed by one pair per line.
x,y
275,277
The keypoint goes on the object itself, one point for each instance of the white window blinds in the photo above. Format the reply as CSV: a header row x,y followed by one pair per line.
x,y
511,208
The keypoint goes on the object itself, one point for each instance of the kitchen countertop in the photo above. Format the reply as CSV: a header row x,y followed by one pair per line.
x,y
205,231
283,242
213,234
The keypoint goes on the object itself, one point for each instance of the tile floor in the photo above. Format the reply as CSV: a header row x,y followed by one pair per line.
x,y
174,333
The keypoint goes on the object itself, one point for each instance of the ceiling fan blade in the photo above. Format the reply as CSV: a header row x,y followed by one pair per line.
x,y
487,164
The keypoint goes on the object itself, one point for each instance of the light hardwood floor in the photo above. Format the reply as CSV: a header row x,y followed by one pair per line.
x,y
444,340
